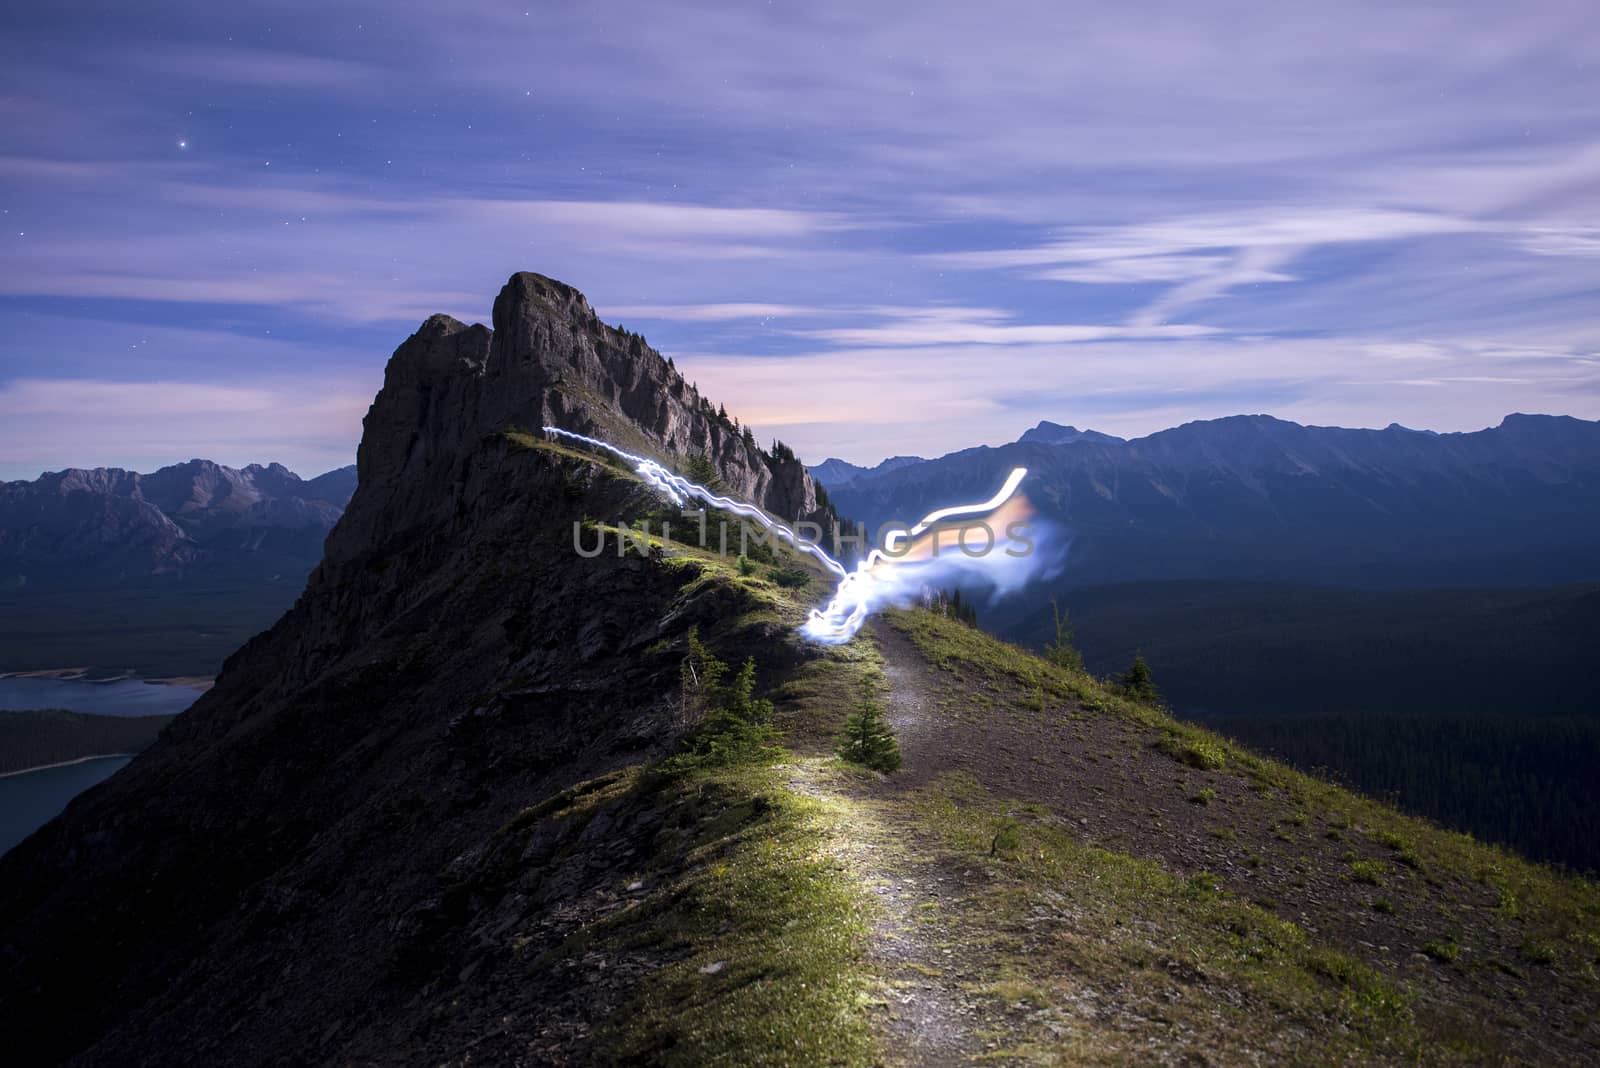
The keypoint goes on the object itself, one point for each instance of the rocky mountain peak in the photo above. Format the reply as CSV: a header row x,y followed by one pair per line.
x,y
1048,433
549,360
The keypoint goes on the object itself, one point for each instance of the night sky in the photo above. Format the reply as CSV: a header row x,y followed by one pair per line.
x,y
869,228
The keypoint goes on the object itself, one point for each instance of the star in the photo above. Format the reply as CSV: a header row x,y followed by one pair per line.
x,y
183,143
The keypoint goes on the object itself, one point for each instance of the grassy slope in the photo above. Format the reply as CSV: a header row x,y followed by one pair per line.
x,y
1122,886
1474,707
1303,917
743,879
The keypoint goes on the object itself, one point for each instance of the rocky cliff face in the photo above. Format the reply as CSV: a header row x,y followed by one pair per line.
x,y
550,361
282,877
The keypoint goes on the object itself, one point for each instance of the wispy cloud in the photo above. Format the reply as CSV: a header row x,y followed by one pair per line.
x,y
864,404
255,67
1205,255
713,313
1562,241
939,330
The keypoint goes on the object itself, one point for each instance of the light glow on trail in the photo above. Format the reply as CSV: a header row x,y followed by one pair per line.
x,y
935,551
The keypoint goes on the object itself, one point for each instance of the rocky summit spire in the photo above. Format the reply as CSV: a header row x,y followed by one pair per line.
x,y
550,361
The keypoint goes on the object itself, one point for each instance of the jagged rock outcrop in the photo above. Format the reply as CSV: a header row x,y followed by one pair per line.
x,y
284,877
550,361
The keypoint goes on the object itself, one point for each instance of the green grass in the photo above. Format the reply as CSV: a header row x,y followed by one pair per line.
x,y
761,927
581,797
1537,952
1550,908
1370,872
1137,925
1443,950
1202,753
814,699
566,449
768,931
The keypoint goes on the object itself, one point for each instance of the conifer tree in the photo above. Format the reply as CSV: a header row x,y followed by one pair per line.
x,y
1060,651
868,738
699,468
959,610
1138,683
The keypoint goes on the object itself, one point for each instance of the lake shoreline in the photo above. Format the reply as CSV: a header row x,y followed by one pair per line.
x,y
81,674
64,764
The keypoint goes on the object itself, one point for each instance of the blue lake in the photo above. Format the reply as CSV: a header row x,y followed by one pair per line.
x,y
30,800
33,798
122,697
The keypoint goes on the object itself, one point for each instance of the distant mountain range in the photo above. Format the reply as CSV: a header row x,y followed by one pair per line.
x,y
108,522
834,472
1255,497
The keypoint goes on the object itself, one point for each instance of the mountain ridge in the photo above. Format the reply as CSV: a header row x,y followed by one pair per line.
x,y
197,513
834,471
1251,496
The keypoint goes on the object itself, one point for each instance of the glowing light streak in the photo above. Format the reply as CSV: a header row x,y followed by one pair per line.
x,y
935,551
680,490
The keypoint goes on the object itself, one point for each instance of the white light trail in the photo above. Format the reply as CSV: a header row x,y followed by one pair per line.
x,y
896,574
679,490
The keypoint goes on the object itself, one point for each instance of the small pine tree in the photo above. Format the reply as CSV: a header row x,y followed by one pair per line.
x,y
1138,683
746,568
1060,651
699,468
735,725
701,672
959,610
749,437
868,738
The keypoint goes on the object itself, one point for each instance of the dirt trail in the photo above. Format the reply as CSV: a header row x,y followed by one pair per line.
x,y
931,1014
